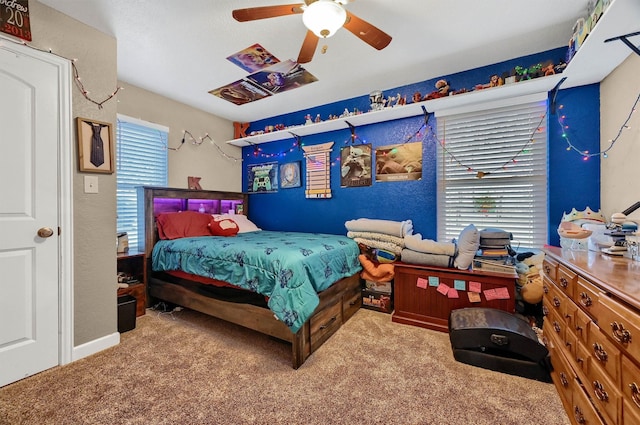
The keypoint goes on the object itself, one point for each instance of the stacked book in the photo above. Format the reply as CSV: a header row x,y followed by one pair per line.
x,y
494,254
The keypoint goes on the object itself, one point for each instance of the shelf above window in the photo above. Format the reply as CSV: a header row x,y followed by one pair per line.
x,y
591,64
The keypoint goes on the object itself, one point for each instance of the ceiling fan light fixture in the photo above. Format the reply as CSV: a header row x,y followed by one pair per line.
x,y
324,17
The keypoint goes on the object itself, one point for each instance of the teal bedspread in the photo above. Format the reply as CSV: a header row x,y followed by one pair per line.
x,y
288,267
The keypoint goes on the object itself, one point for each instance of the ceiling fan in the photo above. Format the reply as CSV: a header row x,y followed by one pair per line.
x,y
322,19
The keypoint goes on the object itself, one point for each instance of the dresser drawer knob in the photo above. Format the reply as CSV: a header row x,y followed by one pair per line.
x,y
635,393
563,380
585,299
620,334
556,302
556,327
577,414
545,289
599,352
547,269
545,310
564,282
599,391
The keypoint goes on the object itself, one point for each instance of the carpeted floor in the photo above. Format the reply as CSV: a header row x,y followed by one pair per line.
x,y
187,368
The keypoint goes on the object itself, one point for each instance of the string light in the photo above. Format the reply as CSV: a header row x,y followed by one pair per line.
x,y
198,141
585,153
76,75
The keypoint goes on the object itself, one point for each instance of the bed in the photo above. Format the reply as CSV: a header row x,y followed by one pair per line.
x,y
304,305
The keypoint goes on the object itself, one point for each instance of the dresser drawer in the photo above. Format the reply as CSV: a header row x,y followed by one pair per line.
x,y
621,324
557,301
581,325
582,411
566,280
549,267
582,359
631,387
325,323
630,413
586,296
555,326
604,393
562,375
604,353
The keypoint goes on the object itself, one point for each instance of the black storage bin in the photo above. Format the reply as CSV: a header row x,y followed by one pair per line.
x,y
497,340
126,313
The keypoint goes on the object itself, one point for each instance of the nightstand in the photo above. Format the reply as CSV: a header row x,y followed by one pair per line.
x,y
134,265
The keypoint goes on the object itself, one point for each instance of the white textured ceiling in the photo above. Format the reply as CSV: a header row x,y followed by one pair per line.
x,y
179,48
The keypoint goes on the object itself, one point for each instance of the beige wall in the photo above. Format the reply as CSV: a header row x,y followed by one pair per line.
x,y
620,172
94,215
217,172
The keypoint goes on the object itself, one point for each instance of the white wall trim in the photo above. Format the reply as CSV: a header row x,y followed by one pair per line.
x,y
500,103
95,346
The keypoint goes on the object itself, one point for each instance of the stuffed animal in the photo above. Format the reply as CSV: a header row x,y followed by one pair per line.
x,y
442,90
529,277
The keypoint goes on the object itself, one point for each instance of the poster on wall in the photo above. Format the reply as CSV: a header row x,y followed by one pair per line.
x,y
356,166
263,178
401,162
290,175
281,77
14,18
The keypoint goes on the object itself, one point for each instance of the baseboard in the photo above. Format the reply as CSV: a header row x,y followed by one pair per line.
x,y
95,346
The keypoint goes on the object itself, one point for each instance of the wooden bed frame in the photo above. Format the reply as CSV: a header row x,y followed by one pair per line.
x,y
337,303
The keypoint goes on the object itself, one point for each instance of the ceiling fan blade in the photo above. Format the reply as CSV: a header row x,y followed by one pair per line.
x,y
308,47
366,32
254,13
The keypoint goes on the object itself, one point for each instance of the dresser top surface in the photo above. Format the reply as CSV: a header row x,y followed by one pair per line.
x,y
618,275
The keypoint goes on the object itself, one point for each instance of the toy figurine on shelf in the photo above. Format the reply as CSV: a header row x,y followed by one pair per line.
x,y
318,119
442,90
494,81
417,97
307,119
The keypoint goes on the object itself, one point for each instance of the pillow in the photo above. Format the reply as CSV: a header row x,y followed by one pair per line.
x,y
183,224
223,227
244,224
468,244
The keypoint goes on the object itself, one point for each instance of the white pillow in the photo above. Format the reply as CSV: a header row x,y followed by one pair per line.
x,y
244,224
468,244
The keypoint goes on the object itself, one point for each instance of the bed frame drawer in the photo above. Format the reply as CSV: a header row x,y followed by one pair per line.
x,y
351,302
325,323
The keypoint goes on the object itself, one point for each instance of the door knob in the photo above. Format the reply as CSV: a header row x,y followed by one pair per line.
x,y
45,232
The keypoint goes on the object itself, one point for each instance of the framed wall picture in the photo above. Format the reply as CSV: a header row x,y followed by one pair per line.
x,y
290,175
95,146
263,178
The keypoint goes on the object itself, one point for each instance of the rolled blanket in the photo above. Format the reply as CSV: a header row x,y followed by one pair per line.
x,y
387,246
375,272
414,257
428,246
388,227
382,237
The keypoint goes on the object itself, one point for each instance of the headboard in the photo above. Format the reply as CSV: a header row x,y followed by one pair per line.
x,y
155,200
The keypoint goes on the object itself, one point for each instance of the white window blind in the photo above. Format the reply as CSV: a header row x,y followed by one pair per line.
x,y
141,160
507,146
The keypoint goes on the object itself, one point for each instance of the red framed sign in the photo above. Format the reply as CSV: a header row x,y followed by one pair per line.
x,y
14,18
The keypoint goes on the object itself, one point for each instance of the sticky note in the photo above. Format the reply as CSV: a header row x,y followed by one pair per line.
x,y
421,283
502,293
460,285
443,289
434,281
453,293
474,297
475,286
490,294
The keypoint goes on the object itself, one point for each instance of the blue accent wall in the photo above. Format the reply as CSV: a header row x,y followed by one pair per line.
x,y
573,182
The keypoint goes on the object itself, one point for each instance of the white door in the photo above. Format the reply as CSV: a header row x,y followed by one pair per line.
x,y
29,214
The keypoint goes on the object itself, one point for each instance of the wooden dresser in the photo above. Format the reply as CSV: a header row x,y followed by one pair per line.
x,y
592,330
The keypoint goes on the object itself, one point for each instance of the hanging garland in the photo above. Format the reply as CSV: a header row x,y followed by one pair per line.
x,y
76,75
199,142
585,153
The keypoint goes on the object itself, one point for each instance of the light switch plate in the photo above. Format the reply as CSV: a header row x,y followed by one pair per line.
x,y
90,184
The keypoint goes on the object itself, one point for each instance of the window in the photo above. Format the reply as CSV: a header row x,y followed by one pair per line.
x,y
492,170
141,160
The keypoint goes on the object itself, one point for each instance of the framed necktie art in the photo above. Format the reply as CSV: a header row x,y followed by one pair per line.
x,y
95,145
